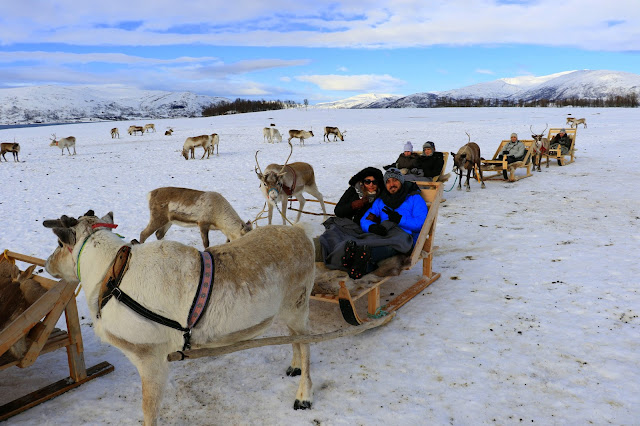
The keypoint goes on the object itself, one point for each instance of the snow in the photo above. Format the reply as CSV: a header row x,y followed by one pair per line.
x,y
534,319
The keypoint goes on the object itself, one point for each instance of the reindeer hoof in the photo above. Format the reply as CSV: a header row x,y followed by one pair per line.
x,y
483,186
468,189
301,405
293,372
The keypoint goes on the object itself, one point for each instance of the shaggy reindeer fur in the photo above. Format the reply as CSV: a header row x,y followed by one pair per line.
x,y
467,158
266,274
189,207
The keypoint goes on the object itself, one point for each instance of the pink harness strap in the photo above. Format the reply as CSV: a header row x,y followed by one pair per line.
x,y
201,299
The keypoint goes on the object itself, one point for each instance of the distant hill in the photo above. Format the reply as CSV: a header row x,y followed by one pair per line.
x,y
583,84
57,104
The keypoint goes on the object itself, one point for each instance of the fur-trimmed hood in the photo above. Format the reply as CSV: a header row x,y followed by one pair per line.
x,y
367,171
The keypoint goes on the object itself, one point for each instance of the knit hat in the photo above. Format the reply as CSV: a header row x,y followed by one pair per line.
x,y
429,144
408,146
563,131
514,134
393,173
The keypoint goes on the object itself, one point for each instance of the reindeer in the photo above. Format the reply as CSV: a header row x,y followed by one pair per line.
x,y
278,182
207,142
577,121
335,132
467,157
168,132
188,207
540,147
115,133
150,126
134,129
300,134
268,273
271,133
12,147
64,143
570,120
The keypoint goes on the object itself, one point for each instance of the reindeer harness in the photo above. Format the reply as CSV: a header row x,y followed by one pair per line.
x,y
110,287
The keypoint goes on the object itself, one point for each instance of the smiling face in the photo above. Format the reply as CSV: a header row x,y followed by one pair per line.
x,y
370,184
393,185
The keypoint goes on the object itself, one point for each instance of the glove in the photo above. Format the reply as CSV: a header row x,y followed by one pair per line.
x,y
373,218
414,171
393,215
378,229
358,204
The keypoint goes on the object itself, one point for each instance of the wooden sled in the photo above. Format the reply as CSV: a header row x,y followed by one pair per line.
x,y
423,249
38,322
292,200
506,171
556,153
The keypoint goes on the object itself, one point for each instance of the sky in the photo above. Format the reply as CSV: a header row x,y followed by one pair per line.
x,y
320,51
533,321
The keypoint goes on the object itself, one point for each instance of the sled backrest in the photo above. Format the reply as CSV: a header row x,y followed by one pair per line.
x,y
432,193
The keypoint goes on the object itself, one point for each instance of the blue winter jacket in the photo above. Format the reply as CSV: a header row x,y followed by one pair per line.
x,y
413,210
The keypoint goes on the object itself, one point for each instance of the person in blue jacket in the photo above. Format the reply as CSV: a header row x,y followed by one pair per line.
x,y
400,207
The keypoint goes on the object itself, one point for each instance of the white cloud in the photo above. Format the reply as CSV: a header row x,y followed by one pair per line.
x,y
588,24
343,69
357,83
481,71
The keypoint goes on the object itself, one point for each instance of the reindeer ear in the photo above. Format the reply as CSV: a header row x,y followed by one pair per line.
x,y
52,223
67,221
89,213
66,235
108,218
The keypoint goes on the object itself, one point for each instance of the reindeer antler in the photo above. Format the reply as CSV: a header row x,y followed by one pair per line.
x,y
257,166
468,135
285,163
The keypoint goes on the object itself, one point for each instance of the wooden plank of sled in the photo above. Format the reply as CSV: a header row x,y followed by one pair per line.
x,y
21,404
499,163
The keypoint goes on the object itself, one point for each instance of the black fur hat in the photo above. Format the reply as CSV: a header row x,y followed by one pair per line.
x,y
367,171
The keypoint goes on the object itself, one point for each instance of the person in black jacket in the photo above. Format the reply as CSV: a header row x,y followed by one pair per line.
x,y
561,139
430,163
365,186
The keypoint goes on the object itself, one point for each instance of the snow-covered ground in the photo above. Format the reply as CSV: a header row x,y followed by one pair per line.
x,y
534,320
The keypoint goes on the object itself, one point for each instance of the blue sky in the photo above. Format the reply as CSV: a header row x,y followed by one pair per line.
x,y
316,50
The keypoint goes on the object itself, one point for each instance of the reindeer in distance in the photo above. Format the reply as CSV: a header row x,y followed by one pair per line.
x,y
279,181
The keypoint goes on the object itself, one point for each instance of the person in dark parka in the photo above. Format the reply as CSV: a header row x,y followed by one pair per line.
x,y
563,140
364,188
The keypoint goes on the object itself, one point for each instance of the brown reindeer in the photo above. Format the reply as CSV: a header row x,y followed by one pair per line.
x,y
540,147
278,182
11,147
467,158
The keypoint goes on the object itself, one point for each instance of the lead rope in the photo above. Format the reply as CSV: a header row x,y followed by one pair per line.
x,y
454,184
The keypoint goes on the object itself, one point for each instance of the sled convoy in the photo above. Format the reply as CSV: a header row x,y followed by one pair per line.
x,y
272,269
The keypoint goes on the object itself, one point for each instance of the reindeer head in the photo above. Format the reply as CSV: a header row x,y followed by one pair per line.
x,y
71,235
272,181
54,141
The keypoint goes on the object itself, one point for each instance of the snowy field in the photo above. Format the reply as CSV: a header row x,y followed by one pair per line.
x,y
533,321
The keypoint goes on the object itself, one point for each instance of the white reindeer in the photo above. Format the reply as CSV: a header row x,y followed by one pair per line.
x,y
189,207
150,126
335,132
266,274
207,142
64,143
540,147
300,134
115,133
278,182
270,134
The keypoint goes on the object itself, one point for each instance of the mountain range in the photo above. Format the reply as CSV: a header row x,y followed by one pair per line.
x,y
67,104
61,104
582,84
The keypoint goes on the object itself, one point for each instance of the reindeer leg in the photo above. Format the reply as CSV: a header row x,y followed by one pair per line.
x,y
151,228
313,190
160,233
467,184
154,370
270,212
298,323
460,180
481,178
204,233
302,201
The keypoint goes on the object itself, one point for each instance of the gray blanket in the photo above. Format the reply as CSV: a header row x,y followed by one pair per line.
x,y
340,230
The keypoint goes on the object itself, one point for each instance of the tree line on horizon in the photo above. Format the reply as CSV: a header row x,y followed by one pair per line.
x,y
246,105
624,101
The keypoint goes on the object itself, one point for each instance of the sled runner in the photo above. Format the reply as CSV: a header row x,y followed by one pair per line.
x,y
37,323
506,171
370,284
556,153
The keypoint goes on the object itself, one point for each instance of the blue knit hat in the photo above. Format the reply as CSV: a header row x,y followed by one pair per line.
x,y
393,173
408,146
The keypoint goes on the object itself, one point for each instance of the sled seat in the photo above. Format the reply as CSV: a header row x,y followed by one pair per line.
x,y
556,153
370,284
499,164
37,324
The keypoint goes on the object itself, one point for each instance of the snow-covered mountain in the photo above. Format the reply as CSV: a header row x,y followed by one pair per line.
x,y
584,84
55,104
368,100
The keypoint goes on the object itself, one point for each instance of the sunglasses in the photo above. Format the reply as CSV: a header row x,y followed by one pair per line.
x,y
369,182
